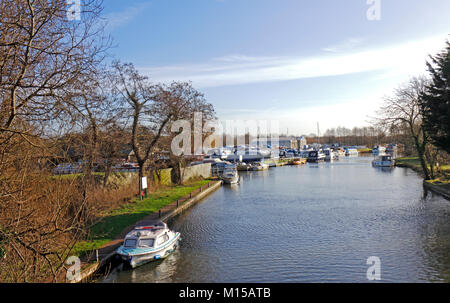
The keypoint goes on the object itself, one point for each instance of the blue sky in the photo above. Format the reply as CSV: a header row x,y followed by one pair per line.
x,y
299,62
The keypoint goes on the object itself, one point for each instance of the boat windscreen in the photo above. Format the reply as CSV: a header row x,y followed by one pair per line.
x,y
130,243
146,242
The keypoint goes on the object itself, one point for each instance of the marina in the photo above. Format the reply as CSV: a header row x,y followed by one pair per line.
x,y
308,224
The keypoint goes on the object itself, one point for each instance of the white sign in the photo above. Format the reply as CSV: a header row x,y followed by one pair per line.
x,y
144,182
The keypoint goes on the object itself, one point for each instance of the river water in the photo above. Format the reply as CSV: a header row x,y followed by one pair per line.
x,y
310,223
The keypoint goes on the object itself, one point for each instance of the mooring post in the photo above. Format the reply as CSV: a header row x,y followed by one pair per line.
x,y
177,203
190,195
159,213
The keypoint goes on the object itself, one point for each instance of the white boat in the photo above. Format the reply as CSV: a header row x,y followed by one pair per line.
x,y
221,152
148,242
351,152
330,155
230,174
258,166
304,153
315,156
383,161
377,150
248,153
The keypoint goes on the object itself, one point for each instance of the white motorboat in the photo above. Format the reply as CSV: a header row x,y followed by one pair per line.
x,y
148,242
258,166
315,156
330,155
230,174
383,161
248,153
377,150
351,152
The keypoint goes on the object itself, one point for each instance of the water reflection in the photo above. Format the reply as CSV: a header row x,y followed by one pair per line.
x,y
310,223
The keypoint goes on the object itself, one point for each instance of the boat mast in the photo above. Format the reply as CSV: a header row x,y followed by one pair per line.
x,y
318,133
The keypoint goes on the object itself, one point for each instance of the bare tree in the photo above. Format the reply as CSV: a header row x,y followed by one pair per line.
x,y
144,102
402,110
43,56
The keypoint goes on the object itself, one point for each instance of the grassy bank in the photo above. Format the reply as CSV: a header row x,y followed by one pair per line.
x,y
440,184
414,163
113,222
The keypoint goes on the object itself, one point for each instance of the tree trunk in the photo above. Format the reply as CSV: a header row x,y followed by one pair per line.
x,y
107,173
421,153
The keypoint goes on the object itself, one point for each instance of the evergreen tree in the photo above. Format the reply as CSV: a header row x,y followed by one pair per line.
x,y
435,101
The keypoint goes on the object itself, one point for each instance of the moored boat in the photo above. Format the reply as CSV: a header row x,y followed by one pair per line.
x,y
315,156
148,242
330,155
351,152
298,161
377,150
230,174
258,166
383,161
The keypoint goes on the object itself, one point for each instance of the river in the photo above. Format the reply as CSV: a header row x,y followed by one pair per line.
x,y
310,223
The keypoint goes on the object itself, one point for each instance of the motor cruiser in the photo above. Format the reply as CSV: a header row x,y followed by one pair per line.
x,y
230,174
383,161
148,242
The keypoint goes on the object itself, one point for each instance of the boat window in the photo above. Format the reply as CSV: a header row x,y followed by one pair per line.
x,y
146,242
130,243
164,238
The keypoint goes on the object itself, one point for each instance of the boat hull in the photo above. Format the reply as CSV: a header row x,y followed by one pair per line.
x,y
260,168
383,163
232,180
316,159
138,259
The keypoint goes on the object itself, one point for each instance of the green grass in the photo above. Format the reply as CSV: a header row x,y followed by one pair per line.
x,y
73,176
414,162
411,162
116,220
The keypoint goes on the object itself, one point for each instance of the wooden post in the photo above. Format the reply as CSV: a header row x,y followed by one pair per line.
x,y
177,203
159,214
190,195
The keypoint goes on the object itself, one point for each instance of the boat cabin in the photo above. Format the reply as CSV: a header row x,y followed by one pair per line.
x,y
146,236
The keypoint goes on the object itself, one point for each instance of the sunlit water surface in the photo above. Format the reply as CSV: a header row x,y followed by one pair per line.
x,y
310,223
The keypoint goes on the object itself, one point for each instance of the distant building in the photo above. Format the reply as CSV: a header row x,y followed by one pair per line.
x,y
301,142
282,142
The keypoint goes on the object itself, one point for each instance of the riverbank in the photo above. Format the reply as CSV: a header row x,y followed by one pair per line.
x,y
440,185
108,234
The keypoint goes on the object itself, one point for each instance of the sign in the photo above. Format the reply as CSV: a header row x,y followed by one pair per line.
x,y
144,182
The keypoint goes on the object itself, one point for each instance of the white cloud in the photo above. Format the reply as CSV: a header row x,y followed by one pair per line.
x,y
345,45
115,20
405,59
303,120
